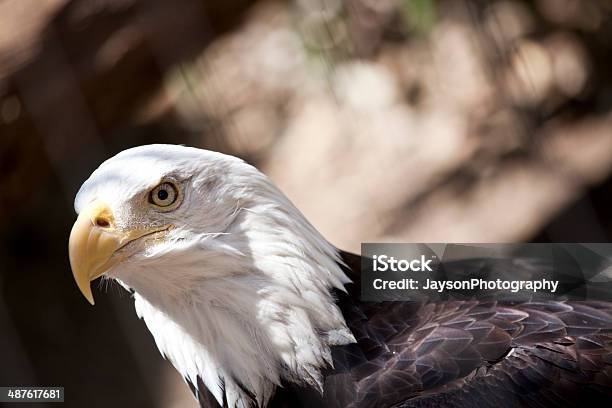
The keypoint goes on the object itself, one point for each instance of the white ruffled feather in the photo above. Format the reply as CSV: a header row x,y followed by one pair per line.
x,y
238,294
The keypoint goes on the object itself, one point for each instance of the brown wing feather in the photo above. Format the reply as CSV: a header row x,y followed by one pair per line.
x,y
463,354
472,353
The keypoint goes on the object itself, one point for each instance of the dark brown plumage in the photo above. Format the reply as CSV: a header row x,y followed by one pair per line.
x,y
475,353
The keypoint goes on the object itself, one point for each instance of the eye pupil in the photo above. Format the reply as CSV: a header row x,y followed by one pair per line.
x,y
162,194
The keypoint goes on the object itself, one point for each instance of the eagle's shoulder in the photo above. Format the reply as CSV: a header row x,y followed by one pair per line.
x,y
502,352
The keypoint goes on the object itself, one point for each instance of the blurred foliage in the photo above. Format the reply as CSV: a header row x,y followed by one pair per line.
x,y
419,15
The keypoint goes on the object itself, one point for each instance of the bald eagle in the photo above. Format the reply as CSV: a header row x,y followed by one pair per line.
x,y
255,308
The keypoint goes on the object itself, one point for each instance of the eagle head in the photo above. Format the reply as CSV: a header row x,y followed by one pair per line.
x,y
229,277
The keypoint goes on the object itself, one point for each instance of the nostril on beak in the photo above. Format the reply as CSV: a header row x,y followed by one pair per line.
x,y
101,222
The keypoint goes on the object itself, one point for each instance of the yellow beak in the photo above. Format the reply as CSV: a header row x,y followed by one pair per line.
x,y
94,241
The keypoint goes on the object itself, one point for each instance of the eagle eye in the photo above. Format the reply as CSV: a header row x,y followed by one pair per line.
x,y
164,195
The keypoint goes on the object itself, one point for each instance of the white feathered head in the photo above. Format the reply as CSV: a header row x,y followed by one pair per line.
x,y
230,278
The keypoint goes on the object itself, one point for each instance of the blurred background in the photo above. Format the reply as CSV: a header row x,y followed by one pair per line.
x,y
383,120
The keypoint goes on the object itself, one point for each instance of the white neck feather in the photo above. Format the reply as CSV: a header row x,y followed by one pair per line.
x,y
248,307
